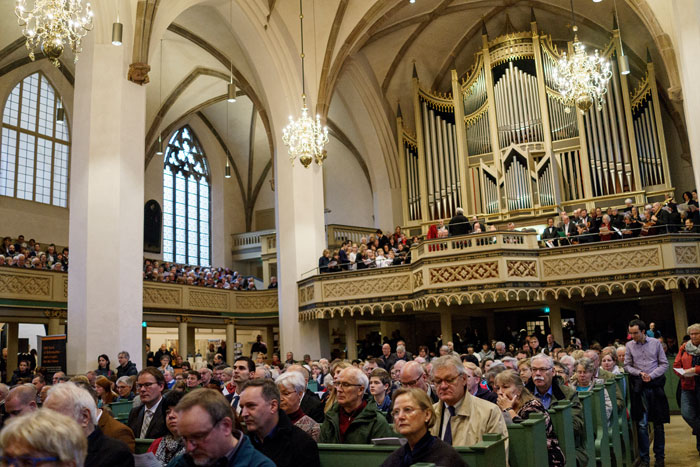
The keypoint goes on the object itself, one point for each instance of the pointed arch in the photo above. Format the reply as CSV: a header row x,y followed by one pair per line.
x,y
186,200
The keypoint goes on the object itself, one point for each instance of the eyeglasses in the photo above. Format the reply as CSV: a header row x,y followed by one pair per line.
x,y
408,411
410,384
144,385
345,385
448,381
25,461
200,437
540,370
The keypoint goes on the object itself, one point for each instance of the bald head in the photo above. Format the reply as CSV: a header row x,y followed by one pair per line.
x,y
593,356
300,369
413,375
21,400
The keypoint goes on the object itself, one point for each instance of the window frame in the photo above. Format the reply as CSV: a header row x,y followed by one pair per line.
x,y
169,206
53,139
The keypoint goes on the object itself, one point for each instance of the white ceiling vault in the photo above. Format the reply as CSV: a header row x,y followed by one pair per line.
x,y
359,60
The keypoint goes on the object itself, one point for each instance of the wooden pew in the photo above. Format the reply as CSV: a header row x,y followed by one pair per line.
x,y
600,426
625,438
142,445
614,434
120,410
527,443
560,413
586,398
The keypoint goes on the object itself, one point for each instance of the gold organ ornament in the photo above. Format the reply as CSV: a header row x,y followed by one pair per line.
x,y
52,24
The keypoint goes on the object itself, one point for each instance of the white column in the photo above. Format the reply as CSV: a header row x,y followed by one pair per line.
x,y
105,285
300,241
182,335
351,338
680,314
686,26
230,340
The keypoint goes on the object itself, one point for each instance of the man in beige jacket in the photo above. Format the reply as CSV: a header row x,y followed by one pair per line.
x,y
462,419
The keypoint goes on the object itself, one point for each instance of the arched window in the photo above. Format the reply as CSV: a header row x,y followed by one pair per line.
x,y
186,201
34,146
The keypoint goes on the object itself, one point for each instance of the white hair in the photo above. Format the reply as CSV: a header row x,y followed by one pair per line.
x,y
546,358
76,397
567,360
459,211
448,361
360,376
291,380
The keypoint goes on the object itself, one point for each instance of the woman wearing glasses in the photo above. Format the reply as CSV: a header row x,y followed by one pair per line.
x,y
413,416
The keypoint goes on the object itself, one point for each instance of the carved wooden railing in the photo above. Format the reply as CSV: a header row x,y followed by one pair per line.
x,y
32,289
505,266
248,245
337,234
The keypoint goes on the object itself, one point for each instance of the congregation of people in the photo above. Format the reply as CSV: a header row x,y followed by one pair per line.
x,y
32,255
380,250
264,411
213,277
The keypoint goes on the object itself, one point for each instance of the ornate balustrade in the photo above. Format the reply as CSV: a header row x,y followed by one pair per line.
x,y
501,267
337,234
247,245
31,289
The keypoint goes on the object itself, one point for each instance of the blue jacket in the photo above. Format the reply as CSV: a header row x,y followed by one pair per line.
x,y
246,455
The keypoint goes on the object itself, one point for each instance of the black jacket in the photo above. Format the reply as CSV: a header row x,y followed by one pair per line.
x,y
485,394
106,451
288,445
429,449
128,370
157,427
312,406
459,225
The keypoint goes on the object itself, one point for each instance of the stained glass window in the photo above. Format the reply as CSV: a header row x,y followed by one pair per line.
x,y
34,146
186,201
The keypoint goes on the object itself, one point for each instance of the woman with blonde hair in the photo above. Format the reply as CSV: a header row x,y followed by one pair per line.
x,y
413,416
515,399
45,436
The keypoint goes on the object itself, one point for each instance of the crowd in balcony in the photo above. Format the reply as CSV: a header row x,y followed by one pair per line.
x,y
32,255
212,277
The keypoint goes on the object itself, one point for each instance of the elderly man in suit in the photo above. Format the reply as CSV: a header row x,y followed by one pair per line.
x,y
148,420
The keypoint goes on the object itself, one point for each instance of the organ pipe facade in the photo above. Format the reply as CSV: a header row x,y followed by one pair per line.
x,y
503,143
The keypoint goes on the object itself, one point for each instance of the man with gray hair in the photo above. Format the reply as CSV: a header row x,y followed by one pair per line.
x,y
21,400
351,420
126,367
549,389
77,403
462,419
459,224
499,351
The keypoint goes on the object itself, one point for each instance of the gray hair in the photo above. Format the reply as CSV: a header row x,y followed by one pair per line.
x,y
694,327
400,348
76,397
360,376
291,380
459,211
500,344
447,361
124,354
586,363
445,348
124,379
546,358
567,360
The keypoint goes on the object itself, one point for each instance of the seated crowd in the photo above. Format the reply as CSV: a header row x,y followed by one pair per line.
x,y
274,413
380,250
214,277
31,255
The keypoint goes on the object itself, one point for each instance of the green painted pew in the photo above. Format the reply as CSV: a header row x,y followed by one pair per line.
x,y
600,426
586,398
120,410
623,425
614,434
527,443
560,413
488,453
142,445
671,386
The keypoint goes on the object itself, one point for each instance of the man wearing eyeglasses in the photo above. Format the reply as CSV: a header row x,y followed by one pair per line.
x,y
549,389
413,376
148,420
351,420
462,419
205,422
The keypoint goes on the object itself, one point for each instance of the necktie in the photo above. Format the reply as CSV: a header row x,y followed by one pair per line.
x,y
447,437
147,416
234,403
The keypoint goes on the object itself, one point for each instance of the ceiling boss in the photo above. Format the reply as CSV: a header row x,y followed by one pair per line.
x,y
52,24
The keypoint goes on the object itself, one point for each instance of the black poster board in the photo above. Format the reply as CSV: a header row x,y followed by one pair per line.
x,y
53,354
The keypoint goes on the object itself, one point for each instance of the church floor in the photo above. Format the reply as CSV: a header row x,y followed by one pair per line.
x,y
680,444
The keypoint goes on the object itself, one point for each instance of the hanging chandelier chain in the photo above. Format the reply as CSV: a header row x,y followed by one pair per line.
x,y
301,27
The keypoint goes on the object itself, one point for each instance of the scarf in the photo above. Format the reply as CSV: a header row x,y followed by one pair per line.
x,y
294,417
169,448
419,451
692,349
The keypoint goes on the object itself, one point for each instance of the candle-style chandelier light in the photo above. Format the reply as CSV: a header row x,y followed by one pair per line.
x,y
52,24
305,137
582,79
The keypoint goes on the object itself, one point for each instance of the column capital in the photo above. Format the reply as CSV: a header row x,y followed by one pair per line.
x,y
230,321
56,314
138,73
183,319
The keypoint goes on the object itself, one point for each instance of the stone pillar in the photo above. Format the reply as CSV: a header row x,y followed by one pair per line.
x,y
555,322
55,328
270,341
684,14
191,350
182,335
12,347
446,326
106,204
143,353
230,340
351,338
680,314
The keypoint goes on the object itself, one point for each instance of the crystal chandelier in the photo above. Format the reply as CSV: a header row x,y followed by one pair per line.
x,y
52,24
305,137
582,79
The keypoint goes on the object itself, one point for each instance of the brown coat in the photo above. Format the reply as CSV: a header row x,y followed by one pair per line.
x,y
116,429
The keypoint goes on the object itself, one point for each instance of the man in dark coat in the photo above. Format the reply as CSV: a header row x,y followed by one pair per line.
x,y
310,403
126,366
551,232
271,431
387,359
459,224
148,420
